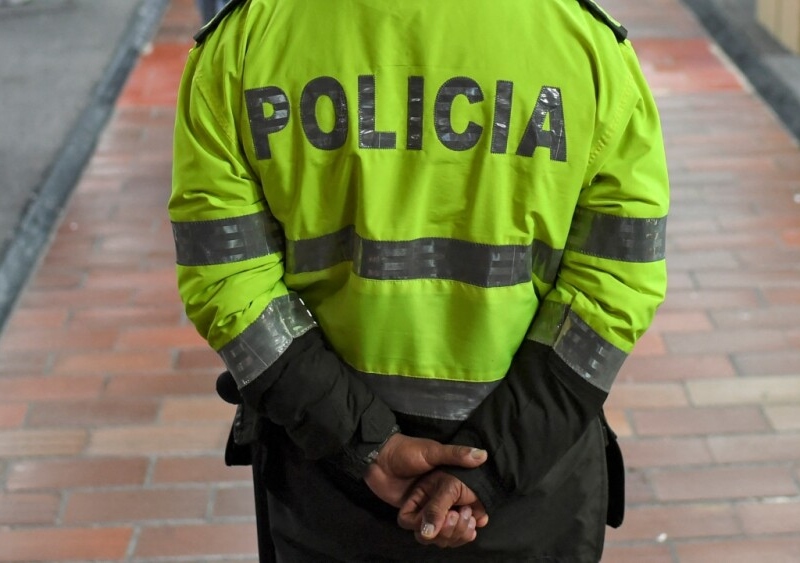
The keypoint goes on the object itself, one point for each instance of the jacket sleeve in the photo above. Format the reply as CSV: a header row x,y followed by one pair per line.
x,y
230,255
611,280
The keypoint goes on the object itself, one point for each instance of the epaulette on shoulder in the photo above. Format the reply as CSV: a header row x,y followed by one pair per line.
x,y
603,16
214,22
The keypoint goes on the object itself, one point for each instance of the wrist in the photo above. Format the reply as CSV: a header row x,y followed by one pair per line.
x,y
372,456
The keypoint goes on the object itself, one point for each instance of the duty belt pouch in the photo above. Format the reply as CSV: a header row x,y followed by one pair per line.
x,y
615,467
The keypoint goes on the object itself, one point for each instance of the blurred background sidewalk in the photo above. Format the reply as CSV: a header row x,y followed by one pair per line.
x,y
111,435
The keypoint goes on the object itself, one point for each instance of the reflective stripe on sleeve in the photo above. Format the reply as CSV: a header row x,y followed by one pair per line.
x,y
627,239
431,398
248,355
429,258
584,350
222,241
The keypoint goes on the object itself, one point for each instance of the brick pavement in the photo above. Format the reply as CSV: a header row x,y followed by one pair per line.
x,y
111,435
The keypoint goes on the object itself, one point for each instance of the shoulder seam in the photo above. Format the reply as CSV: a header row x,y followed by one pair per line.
x,y
619,30
212,24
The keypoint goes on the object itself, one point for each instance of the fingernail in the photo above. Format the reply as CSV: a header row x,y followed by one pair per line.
x,y
427,530
477,453
452,518
472,524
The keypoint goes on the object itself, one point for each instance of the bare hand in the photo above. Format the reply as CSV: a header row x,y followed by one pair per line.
x,y
442,511
403,459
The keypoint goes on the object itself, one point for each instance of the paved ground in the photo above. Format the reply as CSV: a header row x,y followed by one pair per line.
x,y
63,64
111,435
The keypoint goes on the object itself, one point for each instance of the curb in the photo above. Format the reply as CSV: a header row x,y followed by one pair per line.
x,y
760,57
42,213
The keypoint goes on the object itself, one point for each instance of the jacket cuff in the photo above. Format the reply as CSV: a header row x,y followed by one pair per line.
x,y
484,482
377,425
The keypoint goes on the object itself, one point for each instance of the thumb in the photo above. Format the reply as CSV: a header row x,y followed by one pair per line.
x,y
457,456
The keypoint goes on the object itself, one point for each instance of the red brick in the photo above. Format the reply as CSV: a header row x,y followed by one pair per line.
x,y
75,473
126,316
24,363
780,362
618,421
637,487
689,261
746,390
726,341
48,544
196,409
637,554
772,550
197,540
113,362
698,421
770,517
721,241
104,412
755,448
47,298
771,317
646,395
711,299
680,321
58,278
34,443
650,344
234,502
784,417
724,482
198,470
193,359
161,385
158,278
743,278
681,281
38,388
12,415
687,521
24,318
674,368
782,296
144,440
156,296
664,452
135,505
28,508
156,338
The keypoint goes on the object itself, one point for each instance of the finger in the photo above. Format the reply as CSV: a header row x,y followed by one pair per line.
x,y
482,521
459,456
464,530
448,535
438,504
479,512
408,517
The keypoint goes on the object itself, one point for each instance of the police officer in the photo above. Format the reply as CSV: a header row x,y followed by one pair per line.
x,y
411,224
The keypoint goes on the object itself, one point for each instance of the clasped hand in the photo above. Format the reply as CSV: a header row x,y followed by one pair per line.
x,y
438,507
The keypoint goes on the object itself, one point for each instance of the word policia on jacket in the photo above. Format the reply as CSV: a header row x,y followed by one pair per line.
x,y
269,110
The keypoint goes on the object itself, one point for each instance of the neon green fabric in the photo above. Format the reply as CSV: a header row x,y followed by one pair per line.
x,y
582,131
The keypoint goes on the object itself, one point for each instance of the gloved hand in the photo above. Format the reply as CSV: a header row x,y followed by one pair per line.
x,y
227,390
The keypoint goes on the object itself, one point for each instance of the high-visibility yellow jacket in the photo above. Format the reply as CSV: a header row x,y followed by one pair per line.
x,y
430,183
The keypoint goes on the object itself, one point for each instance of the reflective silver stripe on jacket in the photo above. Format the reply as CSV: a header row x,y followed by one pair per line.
x,y
261,343
595,359
429,258
432,398
222,241
618,238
